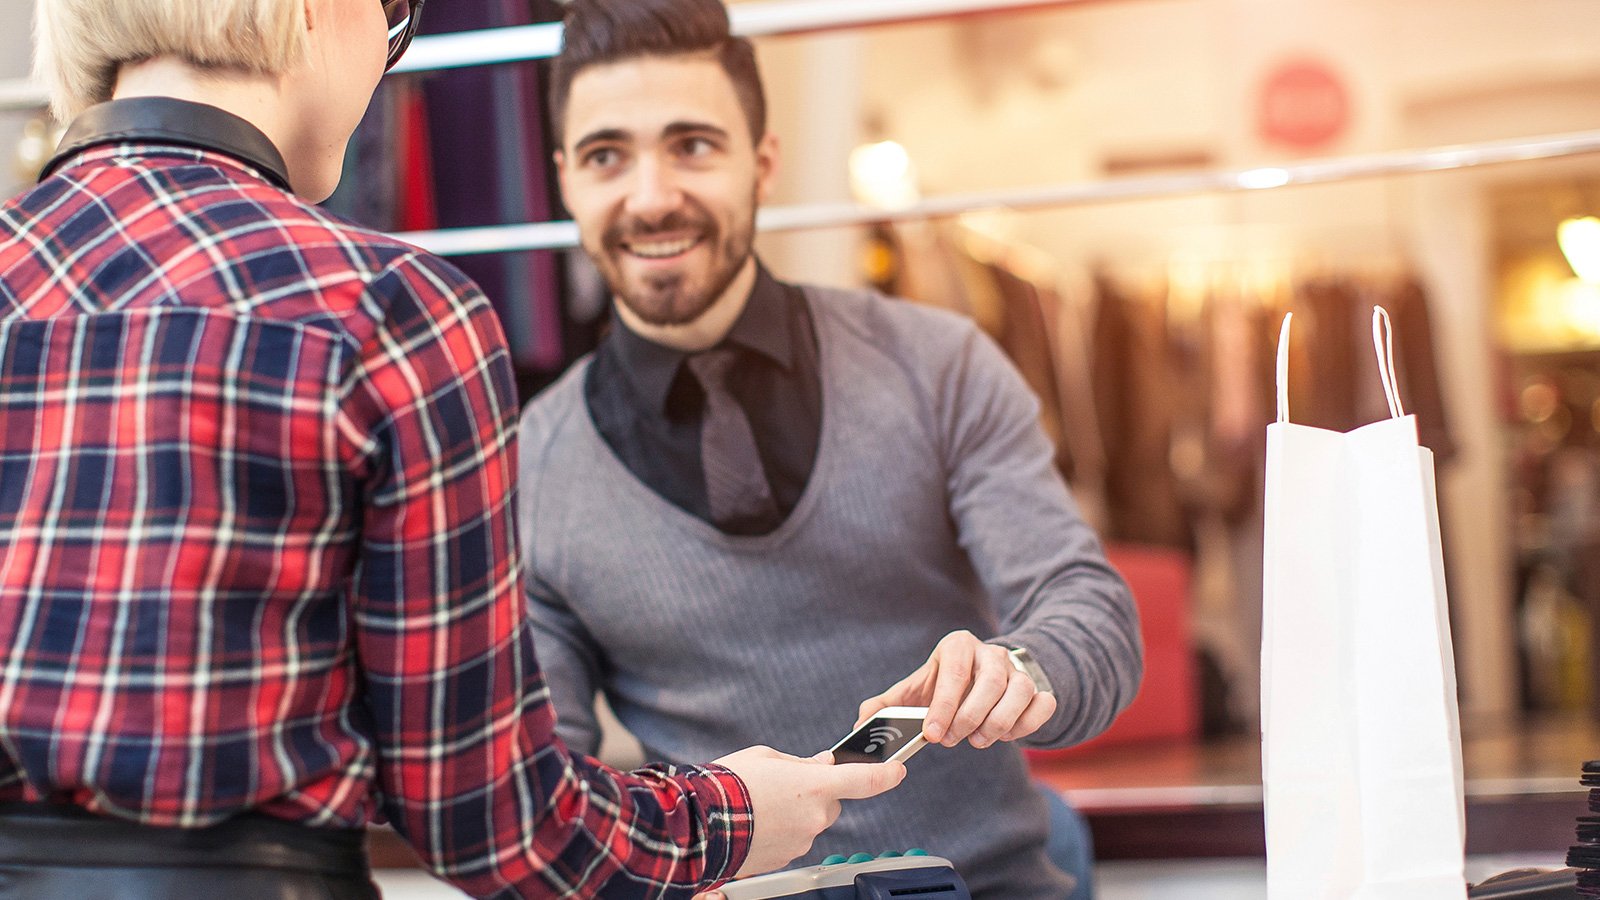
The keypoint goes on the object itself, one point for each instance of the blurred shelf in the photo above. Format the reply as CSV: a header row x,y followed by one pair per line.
x,y
1185,801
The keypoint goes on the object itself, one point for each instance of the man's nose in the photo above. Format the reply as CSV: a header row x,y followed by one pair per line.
x,y
654,191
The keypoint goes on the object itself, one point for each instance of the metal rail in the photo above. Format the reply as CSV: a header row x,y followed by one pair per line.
x,y
525,42
556,235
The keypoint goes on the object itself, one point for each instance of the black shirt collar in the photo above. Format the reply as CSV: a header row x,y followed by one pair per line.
x,y
167,120
767,323
766,326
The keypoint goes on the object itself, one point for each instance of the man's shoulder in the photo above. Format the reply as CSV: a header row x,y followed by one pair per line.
x,y
874,313
911,334
554,460
553,410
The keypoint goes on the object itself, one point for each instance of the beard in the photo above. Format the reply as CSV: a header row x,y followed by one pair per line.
x,y
681,296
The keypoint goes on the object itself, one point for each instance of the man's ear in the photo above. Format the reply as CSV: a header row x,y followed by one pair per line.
x,y
767,159
560,158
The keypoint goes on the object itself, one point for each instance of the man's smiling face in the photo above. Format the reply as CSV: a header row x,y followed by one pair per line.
x,y
663,180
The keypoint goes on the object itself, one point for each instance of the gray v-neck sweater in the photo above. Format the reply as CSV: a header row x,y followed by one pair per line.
x,y
933,506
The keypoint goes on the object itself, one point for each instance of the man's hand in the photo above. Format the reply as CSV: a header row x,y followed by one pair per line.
x,y
793,800
972,693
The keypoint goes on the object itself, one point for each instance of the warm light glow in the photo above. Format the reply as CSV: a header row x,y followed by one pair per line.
x,y
1580,243
1581,304
1539,401
882,175
1546,310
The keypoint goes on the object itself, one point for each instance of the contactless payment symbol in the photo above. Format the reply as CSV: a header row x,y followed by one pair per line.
x,y
880,737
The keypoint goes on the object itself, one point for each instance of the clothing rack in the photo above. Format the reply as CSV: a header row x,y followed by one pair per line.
x,y
774,17
558,235
525,42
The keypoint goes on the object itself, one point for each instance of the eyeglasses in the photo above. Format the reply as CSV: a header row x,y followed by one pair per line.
x,y
402,16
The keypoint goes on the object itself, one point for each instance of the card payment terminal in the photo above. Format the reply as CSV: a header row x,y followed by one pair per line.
x,y
914,876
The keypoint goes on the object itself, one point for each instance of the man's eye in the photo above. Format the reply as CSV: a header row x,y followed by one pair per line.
x,y
604,157
697,147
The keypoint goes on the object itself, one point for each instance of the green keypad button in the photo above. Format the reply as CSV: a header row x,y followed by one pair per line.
x,y
833,860
859,857
916,851
889,854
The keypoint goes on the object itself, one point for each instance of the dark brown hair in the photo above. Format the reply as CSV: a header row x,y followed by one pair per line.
x,y
598,32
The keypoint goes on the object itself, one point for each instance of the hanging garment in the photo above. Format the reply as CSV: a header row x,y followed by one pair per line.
x,y
1333,312
1067,309
368,190
1135,398
418,210
1026,340
500,177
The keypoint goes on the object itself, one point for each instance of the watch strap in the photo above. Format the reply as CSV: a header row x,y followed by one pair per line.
x,y
1023,662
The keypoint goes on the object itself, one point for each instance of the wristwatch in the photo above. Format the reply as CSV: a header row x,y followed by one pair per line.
x,y
1023,662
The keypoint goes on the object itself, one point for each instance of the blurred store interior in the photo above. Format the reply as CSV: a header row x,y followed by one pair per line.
x,y
1147,326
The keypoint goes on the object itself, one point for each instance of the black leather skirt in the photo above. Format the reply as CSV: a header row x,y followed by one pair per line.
x,y
60,853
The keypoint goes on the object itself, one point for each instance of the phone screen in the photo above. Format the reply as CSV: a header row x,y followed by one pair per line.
x,y
877,739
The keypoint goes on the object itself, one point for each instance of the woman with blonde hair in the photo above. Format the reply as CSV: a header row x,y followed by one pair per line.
x,y
258,562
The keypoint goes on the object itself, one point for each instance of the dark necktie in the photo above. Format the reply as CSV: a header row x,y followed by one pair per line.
x,y
736,483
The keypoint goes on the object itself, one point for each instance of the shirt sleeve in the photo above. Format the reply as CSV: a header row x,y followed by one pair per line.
x,y
467,759
1054,592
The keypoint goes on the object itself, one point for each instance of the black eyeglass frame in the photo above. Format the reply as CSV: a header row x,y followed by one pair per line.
x,y
398,43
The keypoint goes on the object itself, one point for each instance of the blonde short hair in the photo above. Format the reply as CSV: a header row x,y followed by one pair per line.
x,y
80,44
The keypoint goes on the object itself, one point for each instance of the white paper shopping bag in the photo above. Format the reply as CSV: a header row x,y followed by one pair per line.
x,y
1361,742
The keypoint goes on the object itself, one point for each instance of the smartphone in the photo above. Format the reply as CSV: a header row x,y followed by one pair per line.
x,y
891,735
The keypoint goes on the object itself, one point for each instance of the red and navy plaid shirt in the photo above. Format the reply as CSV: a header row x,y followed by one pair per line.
x,y
257,540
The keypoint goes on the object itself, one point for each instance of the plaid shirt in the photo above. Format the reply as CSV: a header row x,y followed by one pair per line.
x,y
257,541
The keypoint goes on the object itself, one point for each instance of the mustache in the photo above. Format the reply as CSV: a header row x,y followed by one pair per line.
x,y
635,229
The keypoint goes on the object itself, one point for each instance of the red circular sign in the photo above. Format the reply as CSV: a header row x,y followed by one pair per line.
x,y
1303,104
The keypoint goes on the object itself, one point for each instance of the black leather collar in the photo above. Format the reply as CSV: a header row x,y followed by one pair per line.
x,y
167,120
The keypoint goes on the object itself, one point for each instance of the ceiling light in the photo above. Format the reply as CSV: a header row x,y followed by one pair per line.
x,y
882,176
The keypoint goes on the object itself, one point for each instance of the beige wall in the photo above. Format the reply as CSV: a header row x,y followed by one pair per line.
x,y
16,23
